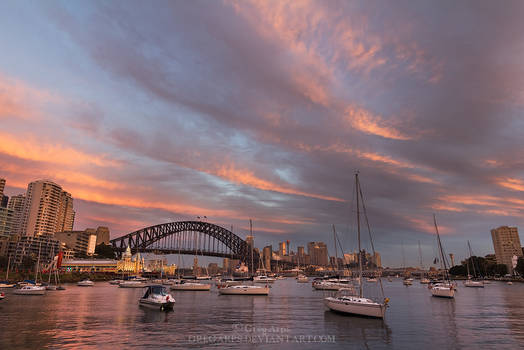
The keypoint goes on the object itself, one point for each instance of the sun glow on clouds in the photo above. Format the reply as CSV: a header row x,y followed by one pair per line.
x,y
364,121
247,177
511,183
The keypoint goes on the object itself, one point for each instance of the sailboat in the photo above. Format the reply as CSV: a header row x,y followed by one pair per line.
x,y
445,289
423,278
6,284
32,289
358,305
472,283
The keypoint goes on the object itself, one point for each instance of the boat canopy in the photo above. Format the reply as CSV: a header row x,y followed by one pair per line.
x,y
156,289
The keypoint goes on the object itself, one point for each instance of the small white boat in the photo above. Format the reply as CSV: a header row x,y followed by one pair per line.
x,y
509,283
30,290
302,279
474,284
86,283
443,290
116,282
132,284
355,305
263,279
51,287
424,281
325,285
373,279
157,297
244,290
408,282
191,286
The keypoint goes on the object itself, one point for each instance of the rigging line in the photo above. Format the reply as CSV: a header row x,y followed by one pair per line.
x,y
369,232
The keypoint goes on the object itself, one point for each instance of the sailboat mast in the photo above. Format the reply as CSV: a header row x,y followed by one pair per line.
x,y
358,235
252,244
471,259
335,240
440,248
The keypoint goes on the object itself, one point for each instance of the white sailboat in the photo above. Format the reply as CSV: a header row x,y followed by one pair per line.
x,y
472,283
358,305
195,286
445,289
32,289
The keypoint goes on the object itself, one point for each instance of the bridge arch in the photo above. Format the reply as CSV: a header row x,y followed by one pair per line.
x,y
187,237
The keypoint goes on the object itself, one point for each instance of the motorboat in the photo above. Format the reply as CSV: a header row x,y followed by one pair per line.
x,y
346,302
116,282
191,286
263,279
30,290
509,283
244,290
408,281
443,290
473,284
132,284
86,283
51,287
372,280
424,281
6,284
302,279
157,297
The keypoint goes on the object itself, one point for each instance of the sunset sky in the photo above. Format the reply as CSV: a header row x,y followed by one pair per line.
x,y
151,112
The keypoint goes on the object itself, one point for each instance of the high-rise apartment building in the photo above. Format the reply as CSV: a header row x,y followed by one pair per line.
x,y
507,244
282,249
16,204
47,209
3,199
2,186
267,254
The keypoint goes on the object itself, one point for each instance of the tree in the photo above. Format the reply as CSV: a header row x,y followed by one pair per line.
x,y
104,251
501,269
520,266
458,270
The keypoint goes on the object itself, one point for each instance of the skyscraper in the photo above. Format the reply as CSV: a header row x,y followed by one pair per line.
x,y
318,253
282,249
47,209
267,253
507,244
16,204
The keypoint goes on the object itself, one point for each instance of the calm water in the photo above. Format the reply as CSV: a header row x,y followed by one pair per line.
x,y
292,317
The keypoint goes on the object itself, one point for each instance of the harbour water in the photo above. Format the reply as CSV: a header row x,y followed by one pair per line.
x,y
291,317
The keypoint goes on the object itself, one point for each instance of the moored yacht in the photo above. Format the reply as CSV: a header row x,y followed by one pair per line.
x,y
263,279
6,284
244,290
157,297
191,286
345,301
302,279
30,290
473,283
132,284
86,283
446,289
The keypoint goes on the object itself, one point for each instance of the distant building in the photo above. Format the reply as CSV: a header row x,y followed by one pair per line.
x,y
491,259
102,235
6,221
2,186
47,209
267,253
83,243
282,249
351,258
250,240
318,253
507,244
376,260
212,268
90,265
16,204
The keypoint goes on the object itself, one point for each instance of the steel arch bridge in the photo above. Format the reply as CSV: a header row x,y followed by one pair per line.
x,y
187,237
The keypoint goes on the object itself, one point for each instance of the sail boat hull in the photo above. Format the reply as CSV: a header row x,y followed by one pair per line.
x,y
443,292
356,306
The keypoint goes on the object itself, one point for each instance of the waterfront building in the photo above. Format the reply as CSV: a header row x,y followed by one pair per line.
x,y
129,263
83,243
226,267
16,204
102,235
506,242
350,258
377,260
32,246
212,269
3,198
90,265
47,209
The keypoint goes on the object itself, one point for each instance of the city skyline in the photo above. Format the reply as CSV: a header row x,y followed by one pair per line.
x,y
265,112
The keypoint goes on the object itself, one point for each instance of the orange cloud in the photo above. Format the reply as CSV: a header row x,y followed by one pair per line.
x,y
31,148
246,177
364,121
18,100
512,184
